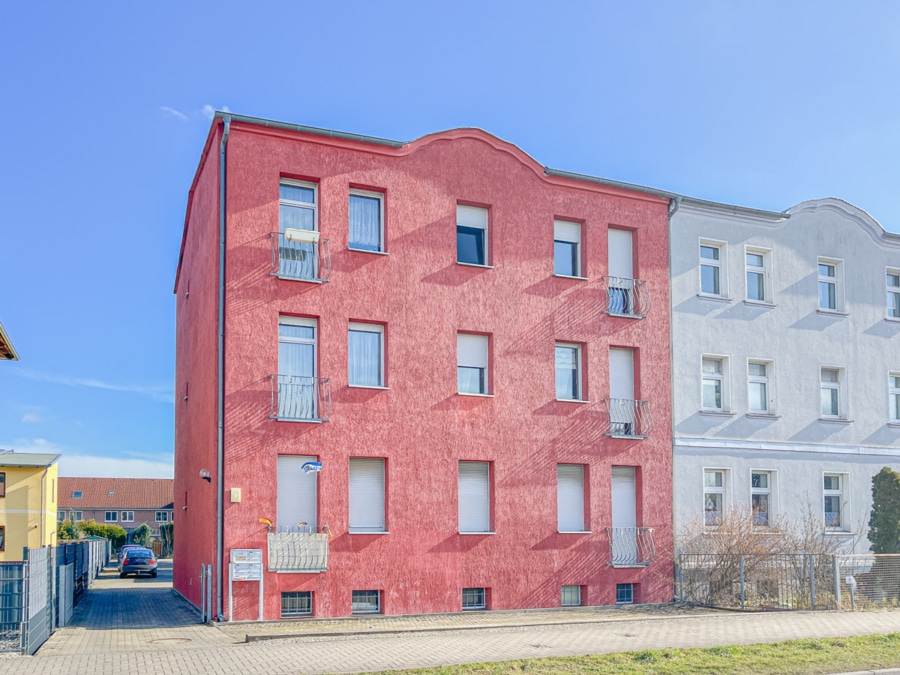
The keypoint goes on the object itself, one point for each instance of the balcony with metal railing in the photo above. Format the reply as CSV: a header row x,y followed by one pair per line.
x,y
300,398
298,551
300,255
628,418
626,297
630,546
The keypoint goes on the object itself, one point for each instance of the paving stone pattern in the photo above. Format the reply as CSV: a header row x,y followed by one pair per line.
x,y
128,626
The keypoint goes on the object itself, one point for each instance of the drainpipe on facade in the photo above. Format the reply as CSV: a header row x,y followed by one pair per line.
x,y
43,507
220,422
674,204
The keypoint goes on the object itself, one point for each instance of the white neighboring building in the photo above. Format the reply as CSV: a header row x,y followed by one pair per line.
x,y
786,362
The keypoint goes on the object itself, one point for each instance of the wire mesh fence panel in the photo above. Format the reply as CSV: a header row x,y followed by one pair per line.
x,y
758,582
12,602
869,581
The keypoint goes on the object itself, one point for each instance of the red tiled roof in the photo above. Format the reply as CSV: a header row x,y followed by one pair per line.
x,y
127,493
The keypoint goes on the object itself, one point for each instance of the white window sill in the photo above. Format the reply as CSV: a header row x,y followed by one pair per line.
x,y
367,386
835,420
309,281
570,276
627,316
839,533
488,532
352,531
894,424
831,312
892,319
572,400
465,264
760,303
364,250
574,532
717,413
286,419
763,416
467,393
718,298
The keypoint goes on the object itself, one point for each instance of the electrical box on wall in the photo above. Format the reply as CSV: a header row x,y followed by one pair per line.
x,y
235,495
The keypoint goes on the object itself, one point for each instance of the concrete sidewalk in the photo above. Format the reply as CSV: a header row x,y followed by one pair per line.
x,y
124,626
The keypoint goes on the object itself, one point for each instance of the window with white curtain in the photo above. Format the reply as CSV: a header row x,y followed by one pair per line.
x,y
366,495
297,213
759,387
366,220
568,371
472,363
474,497
297,385
893,293
365,351
570,497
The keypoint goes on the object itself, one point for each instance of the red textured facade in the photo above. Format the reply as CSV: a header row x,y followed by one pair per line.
x,y
418,423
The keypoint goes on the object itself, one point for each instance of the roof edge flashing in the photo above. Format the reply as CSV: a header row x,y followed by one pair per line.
x,y
303,129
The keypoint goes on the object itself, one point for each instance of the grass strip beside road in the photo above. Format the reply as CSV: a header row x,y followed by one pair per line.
x,y
822,655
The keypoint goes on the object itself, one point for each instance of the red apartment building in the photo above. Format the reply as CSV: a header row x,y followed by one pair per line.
x,y
419,377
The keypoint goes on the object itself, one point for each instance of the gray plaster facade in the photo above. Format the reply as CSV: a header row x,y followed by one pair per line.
x,y
786,363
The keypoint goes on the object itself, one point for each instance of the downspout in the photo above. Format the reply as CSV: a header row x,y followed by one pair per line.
x,y
674,204
220,422
43,507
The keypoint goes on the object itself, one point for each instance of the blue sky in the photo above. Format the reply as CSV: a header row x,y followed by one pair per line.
x,y
105,107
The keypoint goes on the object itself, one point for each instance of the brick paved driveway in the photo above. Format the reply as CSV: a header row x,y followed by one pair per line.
x,y
128,626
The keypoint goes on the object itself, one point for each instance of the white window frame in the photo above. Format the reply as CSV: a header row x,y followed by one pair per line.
x,y
76,516
717,264
765,270
570,516
314,207
361,602
579,371
625,594
127,516
305,322
570,596
837,281
714,490
60,516
568,232
894,396
368,194
299,603
367,499
893,293
471,217
375,328
474,598
840,493
767,380
721,377
466,357
768,490
114,519
466,496
839,386
162,516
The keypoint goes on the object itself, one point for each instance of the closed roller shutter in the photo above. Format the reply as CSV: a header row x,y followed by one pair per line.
x,y
570,497
296,498
474,497
366,495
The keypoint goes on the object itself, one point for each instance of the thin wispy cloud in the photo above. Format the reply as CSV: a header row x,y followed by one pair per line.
x,y
38,445
32,418
157,393
174,113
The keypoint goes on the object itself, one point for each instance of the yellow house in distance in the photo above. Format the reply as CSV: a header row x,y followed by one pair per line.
x,y
28,492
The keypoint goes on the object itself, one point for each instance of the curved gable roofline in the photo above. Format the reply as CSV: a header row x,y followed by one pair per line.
x,y
851,212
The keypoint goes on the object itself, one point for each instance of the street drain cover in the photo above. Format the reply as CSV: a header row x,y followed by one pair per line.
x,y
169,640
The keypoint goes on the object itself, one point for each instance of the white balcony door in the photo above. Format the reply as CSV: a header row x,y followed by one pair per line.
x,y
296,498
297,341
624,514
621,390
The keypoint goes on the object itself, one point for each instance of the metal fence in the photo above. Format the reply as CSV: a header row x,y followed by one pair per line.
x,y
33,598
789,581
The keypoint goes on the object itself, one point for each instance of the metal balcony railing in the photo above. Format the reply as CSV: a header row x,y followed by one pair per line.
x,y
298,397
630,546
628,418
300,254
298,552
626,297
